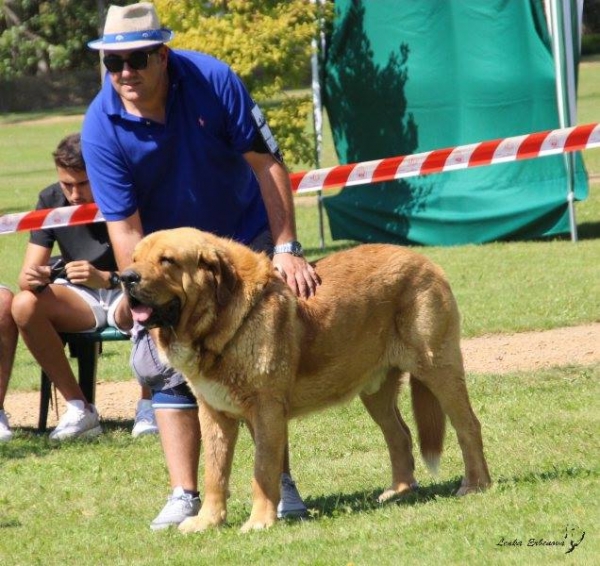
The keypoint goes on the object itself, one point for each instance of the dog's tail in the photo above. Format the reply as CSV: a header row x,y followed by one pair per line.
x,y
431,423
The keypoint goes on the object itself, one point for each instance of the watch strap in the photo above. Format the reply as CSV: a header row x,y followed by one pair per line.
x,y
294,247
113,280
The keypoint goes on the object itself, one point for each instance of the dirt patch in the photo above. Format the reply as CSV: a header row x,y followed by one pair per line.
x,y
504,353
497,354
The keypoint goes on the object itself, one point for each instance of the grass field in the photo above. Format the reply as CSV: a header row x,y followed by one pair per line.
x,y
92,502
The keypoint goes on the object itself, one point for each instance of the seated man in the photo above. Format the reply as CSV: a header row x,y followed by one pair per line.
x,y
8,346
84,295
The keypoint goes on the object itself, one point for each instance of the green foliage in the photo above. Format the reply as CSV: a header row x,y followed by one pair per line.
x,y
41,36
590,44
36,36
591,15
268,44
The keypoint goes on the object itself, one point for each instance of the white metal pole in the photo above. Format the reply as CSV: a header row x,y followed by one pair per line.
x,y
560,14
317,47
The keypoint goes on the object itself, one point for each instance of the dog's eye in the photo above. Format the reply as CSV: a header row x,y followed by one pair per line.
x,y
165,260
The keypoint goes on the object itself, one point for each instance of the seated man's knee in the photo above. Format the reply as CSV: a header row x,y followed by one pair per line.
x,y
6,298
24,306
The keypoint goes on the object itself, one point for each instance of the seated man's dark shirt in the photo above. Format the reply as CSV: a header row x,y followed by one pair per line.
x,y
87,241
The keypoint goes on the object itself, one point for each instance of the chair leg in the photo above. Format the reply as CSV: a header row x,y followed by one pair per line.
x,y
87,362
45,394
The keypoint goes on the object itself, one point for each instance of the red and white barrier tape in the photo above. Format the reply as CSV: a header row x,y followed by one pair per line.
x,y
502,150
50,218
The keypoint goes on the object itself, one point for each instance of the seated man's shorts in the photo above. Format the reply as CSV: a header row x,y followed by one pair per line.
x,y
102,302
169,388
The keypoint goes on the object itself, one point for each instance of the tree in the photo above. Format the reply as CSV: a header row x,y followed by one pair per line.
x,y
591,15
41,36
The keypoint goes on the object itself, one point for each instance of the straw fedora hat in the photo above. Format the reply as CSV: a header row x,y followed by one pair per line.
x,y
131,27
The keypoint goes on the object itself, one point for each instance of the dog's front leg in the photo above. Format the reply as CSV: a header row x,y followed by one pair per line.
x,y
219,435
269,424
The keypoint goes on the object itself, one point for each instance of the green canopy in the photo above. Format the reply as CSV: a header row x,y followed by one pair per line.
x,y
405,76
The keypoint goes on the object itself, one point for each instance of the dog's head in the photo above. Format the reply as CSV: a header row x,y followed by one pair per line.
x,y
178,279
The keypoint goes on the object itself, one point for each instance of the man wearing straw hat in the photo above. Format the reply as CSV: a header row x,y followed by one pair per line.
x,y
174,139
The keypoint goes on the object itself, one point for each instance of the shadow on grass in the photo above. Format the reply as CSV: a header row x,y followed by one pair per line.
x,y
554,474
29,441
585,231
115,425
361,501
588,231
9,523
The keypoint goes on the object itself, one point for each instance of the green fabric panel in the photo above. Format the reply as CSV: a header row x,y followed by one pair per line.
x,y
405,76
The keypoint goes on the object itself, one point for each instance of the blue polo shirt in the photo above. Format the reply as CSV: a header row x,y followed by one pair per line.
x,y
187,172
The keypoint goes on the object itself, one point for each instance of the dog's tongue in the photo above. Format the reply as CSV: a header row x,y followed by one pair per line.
x,y
141,313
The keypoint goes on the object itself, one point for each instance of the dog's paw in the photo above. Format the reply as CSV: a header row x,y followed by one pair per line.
x,y
468,489
198,524
475,484
257,525
400,490
194,525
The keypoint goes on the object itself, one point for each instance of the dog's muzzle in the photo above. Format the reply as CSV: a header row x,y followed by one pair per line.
x,y
146,312
130,279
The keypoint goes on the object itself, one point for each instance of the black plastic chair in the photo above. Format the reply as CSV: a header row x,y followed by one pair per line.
x,y
86,347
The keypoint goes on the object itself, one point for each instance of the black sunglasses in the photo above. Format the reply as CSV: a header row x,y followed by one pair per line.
x,y
137,60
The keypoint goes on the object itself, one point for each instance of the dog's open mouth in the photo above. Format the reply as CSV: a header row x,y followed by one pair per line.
x,y
152,316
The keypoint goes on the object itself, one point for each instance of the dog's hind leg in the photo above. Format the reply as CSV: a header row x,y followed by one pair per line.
x,y
383,408
219,436
447,383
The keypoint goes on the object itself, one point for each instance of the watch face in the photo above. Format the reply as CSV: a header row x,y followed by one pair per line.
x,y
115,280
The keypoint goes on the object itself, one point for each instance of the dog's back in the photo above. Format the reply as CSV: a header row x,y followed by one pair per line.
x,y
378,307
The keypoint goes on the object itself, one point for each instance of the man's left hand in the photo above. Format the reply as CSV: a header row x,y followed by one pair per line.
x,y
297,273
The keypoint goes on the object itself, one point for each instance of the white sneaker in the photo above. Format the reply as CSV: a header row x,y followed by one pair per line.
x,y
77,422
179,507
291,505
145,421
5,432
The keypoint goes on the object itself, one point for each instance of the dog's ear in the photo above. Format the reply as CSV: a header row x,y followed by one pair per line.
x,y
226,278
223,272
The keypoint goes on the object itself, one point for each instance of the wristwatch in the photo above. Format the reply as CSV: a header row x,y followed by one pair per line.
x,y
294,248
113,280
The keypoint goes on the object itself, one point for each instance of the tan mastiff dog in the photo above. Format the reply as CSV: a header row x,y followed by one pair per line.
x,y
254,352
